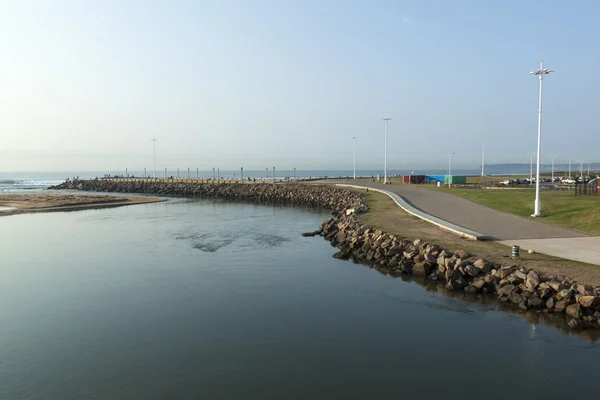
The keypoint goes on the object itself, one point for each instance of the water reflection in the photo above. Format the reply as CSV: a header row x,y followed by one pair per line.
x,y
490,302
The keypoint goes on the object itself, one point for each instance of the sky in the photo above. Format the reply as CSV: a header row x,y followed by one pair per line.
x,y
86,85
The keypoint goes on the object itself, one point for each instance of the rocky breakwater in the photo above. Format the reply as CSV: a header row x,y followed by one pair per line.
x,y
338,200
457,270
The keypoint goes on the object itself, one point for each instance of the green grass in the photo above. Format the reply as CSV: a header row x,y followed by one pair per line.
x,y
564,209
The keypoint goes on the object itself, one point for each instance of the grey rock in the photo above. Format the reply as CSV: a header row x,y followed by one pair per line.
x,y
573,310
565,294
515,298
506,290
342,255
520,275
533,280
505,271
588,301
534,301
561,305
472,270
483,265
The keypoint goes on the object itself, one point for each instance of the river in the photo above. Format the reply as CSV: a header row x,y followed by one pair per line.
x,y
219,300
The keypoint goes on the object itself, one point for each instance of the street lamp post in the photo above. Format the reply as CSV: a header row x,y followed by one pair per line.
x,y
552,157
588,169
154,148
450,164
538,204
354,153
482,160
569,168
530,167
386,119
580,168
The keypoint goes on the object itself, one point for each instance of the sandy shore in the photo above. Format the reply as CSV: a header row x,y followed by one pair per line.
x,y
28,203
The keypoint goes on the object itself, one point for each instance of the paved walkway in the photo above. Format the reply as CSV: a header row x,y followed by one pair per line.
x,y
494,224
473,220
584,249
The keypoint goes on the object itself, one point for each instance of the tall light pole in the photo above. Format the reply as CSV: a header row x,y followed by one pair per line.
x,y
552,157
385,120
569,168
354,153
450,163
530,167
482,160
580,168
588,169
154,148
538,204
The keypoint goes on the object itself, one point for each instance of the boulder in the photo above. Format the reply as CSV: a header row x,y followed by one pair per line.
x,y
534,301
441,261
521,275
585,290
561,305
472,270
478,283
483,265
565,294
515,298
550,303
505,271
533,280
489,279
430,259
456,284
573,310
422,268
545,293
589,301
367,245
556,286
342,255
310,234
506,290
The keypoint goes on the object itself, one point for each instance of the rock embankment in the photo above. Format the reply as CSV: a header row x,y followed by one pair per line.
x,y
331,198
525,289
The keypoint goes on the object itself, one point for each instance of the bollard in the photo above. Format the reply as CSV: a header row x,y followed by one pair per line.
x,y
515,251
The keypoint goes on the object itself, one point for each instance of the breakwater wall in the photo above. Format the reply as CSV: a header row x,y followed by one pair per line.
x,y
328,197
524,289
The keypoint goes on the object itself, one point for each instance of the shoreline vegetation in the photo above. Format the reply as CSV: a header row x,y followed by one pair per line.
x,y
466,271
11,204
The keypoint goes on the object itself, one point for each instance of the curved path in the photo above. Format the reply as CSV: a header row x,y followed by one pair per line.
x,y
493,224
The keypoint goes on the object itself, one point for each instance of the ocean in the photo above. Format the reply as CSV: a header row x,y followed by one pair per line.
x,y
199,299
14,182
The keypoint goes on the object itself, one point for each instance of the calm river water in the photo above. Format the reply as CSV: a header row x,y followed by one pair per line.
x,y
209,300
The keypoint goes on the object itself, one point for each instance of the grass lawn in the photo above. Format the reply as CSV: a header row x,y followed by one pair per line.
x,y
581,213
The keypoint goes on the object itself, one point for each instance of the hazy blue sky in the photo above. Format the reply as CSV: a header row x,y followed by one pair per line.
x,y
84,85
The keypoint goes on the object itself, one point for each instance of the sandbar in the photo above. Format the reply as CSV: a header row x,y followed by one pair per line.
x,y
11,204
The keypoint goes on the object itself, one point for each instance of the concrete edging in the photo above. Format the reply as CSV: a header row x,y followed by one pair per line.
x,y
456,229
